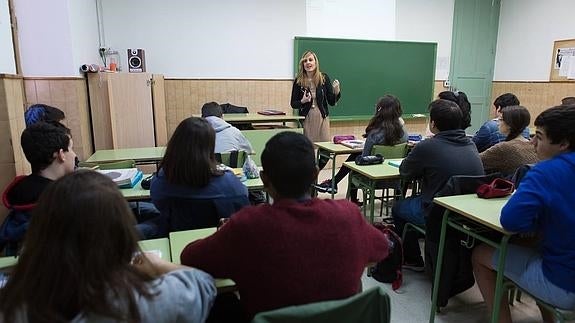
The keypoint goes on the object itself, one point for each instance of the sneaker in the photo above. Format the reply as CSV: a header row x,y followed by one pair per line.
x,y
417,266
325,187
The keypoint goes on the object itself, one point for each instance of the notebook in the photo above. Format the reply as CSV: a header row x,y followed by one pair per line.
x,y
272,112
124,178
394,163
353,143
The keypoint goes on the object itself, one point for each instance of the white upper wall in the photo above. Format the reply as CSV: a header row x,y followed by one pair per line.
x,y
429,21
208,39
7,62
44,38
357,19
527,31
84,33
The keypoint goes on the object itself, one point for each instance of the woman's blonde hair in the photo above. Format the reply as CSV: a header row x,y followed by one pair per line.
x,y
318,78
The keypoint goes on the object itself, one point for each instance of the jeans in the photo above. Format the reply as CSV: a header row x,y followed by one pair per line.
x,y
409,210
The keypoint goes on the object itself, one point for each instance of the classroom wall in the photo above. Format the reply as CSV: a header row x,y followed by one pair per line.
x,y
83,33
527,30
427,21
7,62
224,39
365,19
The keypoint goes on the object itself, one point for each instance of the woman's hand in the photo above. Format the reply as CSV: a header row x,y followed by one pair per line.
x,y
306,97
336,88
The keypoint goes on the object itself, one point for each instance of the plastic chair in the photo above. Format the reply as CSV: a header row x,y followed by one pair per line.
x,y
372,306
233,159
129,163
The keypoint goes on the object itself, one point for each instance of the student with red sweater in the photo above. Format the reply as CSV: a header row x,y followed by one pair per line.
x,y
296,251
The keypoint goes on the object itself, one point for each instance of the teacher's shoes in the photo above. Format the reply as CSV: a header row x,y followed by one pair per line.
x,y
325,187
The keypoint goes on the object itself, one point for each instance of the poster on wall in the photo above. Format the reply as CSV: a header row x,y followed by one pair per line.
x,y
563,61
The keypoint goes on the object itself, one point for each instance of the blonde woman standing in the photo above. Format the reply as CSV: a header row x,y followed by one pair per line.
x,y
312,91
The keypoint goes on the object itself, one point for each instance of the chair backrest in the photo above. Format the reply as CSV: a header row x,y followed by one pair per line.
x,y
129,163
194,213
389,152
180,239
372,305
465,184
233,159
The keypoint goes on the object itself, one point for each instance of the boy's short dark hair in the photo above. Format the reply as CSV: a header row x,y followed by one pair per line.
x,y
559,124
568,100
288,161
212,109
445,114
43,112
41,140
505,100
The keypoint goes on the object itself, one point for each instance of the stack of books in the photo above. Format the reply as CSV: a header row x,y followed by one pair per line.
x,y
124,178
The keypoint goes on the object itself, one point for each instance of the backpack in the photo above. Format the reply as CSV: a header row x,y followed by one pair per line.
x,y
389,269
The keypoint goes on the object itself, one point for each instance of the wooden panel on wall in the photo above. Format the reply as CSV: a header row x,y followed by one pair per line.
x,y
186,97
12,159
71,96
535,96
159,106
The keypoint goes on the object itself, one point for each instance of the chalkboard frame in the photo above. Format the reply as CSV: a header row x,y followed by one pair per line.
x,y
406,70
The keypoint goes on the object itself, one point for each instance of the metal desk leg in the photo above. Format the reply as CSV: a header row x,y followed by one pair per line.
x,y
332,156
371,200
499,279
439,264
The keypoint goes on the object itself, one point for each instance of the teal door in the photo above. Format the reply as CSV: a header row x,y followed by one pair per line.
x,y
474,40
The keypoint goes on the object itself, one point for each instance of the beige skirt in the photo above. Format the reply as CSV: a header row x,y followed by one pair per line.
x,y
315,127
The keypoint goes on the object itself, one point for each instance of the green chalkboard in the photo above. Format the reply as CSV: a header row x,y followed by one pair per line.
x,y
368,69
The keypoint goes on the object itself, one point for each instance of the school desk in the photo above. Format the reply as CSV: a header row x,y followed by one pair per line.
x,y
137,193
330,151
147,155
235,118
473,216
367,176
180,239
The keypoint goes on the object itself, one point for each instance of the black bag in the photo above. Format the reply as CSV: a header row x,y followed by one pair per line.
x,y
369,160
389,269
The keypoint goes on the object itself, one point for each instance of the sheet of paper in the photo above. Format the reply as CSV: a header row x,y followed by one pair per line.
x,y
565,63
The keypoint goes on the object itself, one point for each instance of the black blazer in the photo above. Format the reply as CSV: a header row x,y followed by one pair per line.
x,y
324,96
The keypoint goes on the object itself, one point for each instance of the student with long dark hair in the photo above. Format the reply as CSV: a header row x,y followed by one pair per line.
x,y
515,151
81,262
385,128
189,190
461,99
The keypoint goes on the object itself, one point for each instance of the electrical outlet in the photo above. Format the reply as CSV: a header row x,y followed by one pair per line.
x,y
446,84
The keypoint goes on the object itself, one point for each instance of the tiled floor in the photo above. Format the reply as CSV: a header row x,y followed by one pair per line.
x,y
412,302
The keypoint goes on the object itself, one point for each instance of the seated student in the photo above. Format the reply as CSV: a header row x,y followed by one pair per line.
x,y
569,100
228,137
385,128
505,157
49,149
188,172
543,203
82,263
433,161
489,135
42,112
461,99
297,250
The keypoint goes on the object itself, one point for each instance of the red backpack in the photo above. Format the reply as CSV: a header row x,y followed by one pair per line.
x,y
389,269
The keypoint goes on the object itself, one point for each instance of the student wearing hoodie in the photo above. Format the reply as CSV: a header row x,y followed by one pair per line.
x,y
228,137
433,161
48,147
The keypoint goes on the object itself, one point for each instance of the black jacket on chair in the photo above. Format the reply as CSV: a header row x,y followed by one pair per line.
x,y
456,272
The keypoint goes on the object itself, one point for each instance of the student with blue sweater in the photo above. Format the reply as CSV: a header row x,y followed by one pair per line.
x,y
489,135
190,191
544,204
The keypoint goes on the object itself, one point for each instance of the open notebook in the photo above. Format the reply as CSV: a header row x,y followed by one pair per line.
x,y
124,178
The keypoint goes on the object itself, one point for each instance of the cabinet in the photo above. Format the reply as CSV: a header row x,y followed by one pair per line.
x,y
127,110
